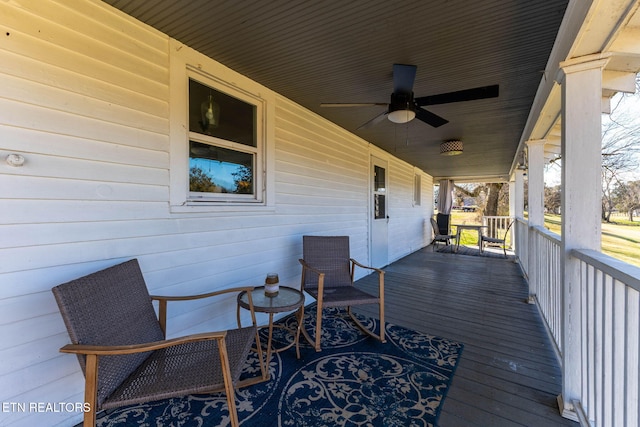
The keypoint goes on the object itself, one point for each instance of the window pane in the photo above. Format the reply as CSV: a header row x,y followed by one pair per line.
x,y
379,179
220,115
219,170
379,207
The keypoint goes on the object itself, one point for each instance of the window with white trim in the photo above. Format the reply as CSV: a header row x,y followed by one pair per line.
x,y
225,143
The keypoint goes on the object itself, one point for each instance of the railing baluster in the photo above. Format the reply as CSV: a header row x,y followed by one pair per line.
x,y
619,332
632,350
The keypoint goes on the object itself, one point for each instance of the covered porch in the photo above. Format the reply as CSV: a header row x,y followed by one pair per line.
x,y
96,135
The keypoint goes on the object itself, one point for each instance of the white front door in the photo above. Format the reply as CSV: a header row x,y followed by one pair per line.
x,y
379,213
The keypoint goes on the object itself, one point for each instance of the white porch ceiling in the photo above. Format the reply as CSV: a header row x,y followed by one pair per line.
x,y
315,52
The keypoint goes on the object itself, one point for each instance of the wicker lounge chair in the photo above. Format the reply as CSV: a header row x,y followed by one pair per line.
x,y
438,237
496,241
123,352
327,275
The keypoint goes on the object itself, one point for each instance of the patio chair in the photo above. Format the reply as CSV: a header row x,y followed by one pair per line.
x,y
438,237
123,352
327,275
495,241
443,221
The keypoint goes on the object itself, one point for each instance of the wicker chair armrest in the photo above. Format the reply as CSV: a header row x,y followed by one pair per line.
x,y
103,350
378,270
200,296
320,274
163,300
305,265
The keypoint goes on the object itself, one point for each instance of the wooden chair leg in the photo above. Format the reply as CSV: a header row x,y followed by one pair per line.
x,y
300,318
306,336
318,327
381,304
228,385
91,390
365,329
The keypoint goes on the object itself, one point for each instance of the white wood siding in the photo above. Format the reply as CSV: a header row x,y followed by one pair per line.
x,y
84,97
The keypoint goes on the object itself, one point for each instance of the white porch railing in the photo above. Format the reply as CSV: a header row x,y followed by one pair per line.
x,y
610,331
545,279
609,311
521,244
496,226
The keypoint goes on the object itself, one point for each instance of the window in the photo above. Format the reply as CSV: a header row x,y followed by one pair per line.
x,y
220,127
417,193
225,146
379,189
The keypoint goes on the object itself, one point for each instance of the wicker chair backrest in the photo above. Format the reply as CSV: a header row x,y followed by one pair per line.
x,y
330,255
110,307
443,223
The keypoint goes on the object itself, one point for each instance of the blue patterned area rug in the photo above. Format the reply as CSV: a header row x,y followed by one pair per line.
x,y
354,381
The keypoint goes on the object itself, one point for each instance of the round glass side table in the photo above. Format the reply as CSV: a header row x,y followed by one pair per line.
x,y
288,299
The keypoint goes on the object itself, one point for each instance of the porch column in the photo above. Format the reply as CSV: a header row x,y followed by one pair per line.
x,y
535,202
518,211
516,204
581,82
536,181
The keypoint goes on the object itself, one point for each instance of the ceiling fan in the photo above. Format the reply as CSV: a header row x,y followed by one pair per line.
x,y
403,107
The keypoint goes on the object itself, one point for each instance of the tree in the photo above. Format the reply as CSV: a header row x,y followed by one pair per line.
x,y
627,197
201,182
491,198
620,149
494,195
243,180
552,199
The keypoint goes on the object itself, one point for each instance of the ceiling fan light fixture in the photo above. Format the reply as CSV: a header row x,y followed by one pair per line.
x,y
402,116
451,148
401,108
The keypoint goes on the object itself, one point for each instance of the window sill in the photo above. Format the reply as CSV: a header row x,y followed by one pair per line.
x,y
221,207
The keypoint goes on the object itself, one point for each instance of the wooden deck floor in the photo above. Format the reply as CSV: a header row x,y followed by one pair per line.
x,y
508,374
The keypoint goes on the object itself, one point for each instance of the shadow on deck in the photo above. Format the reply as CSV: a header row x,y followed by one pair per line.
x,y
508,374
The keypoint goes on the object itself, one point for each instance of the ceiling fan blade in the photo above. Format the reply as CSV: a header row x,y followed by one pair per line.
x,y
403,77
377,119
354,104
459,96
430,118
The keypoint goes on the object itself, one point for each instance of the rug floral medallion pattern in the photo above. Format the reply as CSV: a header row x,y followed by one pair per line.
x,y
354,381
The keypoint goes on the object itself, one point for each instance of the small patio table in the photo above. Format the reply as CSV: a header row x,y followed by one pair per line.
x,y
287,299
460,227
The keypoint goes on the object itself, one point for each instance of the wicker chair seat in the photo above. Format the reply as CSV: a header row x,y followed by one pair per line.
x,y
343,296
191,368
492,240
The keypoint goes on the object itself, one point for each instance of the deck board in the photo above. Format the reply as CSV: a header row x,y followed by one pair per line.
x,y
508,374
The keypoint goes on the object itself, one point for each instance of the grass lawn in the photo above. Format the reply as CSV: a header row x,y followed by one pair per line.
x,y
468,237
620,238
